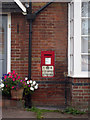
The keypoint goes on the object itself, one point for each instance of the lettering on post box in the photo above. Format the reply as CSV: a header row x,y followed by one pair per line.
x,y
47,64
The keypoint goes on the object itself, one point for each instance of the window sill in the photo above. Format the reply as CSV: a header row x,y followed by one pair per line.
x,y
82,75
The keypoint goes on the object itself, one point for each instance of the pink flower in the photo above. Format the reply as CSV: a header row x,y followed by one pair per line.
x,y
13,79
6,85
5,77
13,71
15,76
18,77
16,73
9,72
10,76
12,87
20,80
28,85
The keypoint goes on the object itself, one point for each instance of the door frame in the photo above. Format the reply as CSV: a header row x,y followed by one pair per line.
x,y
8,41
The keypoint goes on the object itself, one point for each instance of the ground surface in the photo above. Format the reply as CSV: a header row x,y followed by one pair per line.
x,y
17,113
15,109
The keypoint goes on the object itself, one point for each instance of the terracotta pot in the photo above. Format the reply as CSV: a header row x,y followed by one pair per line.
x,y
17,94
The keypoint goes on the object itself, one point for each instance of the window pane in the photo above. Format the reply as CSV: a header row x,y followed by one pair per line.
x,y
84,61
89,26
0,49
89,63
71,10
84,43
88,9
71,46
71,64
0,38
84,9
84,26
88,44
71,28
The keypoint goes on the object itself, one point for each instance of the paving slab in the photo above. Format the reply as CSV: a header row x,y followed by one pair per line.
x,y
62,115
17,113
22,113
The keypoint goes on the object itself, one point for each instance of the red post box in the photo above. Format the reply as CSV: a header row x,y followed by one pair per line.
x,y
47,64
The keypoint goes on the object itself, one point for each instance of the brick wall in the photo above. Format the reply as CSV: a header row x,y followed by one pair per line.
x,y
81,93
49,34
19,44
50,30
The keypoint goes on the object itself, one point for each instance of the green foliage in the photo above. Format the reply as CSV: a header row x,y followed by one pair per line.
x,y
6,92
39,112
69,110
27,91
73,111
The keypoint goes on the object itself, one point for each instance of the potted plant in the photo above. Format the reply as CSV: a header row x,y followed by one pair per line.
x,y
29,87
13,85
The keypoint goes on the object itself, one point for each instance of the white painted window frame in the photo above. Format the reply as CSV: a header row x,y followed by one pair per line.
x,y
77,73
8,41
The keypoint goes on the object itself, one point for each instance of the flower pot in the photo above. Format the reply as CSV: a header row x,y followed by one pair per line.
x,y
17,94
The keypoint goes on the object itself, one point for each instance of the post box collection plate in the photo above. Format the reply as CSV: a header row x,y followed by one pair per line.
x,y
47,64
47,71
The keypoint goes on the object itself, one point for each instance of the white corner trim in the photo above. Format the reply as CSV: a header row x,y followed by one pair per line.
x,y
8,42
21,5
77,37
69,38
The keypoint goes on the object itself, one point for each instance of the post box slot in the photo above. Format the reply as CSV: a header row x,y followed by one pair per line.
x,y
47,55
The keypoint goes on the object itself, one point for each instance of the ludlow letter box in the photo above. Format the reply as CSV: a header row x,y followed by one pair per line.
x,y
47,64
